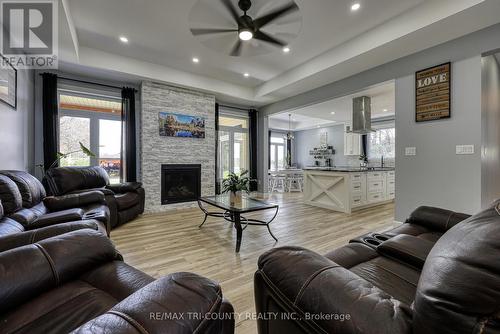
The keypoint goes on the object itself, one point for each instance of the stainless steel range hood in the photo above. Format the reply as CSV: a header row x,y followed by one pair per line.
x,y
362,115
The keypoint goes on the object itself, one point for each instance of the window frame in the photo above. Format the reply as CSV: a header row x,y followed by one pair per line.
x,y
231,130
276,145
94,118
378,128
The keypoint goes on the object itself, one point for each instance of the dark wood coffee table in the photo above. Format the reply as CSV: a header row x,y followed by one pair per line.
x,y
234,213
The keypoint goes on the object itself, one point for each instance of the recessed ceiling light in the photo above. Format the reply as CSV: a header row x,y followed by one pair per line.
x,y
385,110
318,126
246,75
123,39
196,60
355,7
286,49
333,113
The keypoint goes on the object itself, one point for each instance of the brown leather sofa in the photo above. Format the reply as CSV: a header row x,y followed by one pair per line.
x,y
26,206
125,200
437,273
77,282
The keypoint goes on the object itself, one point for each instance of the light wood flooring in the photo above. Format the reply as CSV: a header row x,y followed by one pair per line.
x,y
170,242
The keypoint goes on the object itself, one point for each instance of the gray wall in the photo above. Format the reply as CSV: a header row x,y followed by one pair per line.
x,y
436,175
16,126
490,173
308,139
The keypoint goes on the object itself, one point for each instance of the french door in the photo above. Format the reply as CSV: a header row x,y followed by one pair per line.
x,y
234,146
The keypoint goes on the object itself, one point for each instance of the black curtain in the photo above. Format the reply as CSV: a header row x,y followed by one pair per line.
x,y
217,183
364,145
269,150
50,111
252,114
129,148
289,152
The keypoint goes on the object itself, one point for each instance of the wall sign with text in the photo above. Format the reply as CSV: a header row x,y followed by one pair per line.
x,y
433,93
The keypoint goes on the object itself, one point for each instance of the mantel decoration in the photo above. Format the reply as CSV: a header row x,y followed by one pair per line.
x,y
8,83
177,125
433,93
235,184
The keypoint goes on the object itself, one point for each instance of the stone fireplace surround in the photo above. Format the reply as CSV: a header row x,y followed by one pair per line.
x,y
157,151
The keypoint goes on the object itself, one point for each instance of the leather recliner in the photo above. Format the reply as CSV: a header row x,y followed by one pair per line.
x,y
77,282
441,276
26,206
125,200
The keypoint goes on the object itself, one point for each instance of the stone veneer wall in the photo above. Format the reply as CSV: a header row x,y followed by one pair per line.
x,y
156,150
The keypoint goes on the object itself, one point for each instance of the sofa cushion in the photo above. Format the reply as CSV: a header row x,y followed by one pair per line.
x,y
63,180
127,200
10,195
459,289
10,226
32,190
60,310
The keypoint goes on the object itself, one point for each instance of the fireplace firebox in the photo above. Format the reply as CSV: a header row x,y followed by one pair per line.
x,y
180,183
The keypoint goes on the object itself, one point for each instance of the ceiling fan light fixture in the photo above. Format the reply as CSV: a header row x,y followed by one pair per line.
x,y
245,34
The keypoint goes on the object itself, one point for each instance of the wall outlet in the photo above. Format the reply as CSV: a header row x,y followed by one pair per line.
x,y
410,151
465,149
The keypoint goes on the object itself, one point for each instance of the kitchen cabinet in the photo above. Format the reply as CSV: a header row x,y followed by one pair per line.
x,y
346,190
352,142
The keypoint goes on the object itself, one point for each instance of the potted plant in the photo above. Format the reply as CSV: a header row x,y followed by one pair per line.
x,y
61,156
364,160
235,184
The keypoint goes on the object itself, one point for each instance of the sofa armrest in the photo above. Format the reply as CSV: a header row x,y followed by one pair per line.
x,y
440,220
64,202
29,237
124,187
177,303
58,217
323,297
407,249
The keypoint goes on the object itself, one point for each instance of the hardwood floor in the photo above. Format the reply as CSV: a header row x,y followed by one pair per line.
x,y
170,242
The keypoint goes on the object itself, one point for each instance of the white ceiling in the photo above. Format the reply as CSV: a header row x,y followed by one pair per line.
x,y
329,40
320,115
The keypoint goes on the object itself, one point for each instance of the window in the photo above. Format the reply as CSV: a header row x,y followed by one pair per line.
x,y
382,144
96,122
277,152
234,145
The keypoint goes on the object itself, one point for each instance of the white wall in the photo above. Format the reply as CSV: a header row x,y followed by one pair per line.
x,y
16,126
490,173
436,176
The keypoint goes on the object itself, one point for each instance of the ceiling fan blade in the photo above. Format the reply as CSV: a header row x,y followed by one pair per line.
x,y
266,19
267,38
208,31
236,51
230,7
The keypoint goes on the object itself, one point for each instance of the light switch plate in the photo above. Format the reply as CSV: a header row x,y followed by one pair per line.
x,y
410,151
465,149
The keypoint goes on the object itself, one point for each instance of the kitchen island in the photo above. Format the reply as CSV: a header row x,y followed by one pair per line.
x,y
346,189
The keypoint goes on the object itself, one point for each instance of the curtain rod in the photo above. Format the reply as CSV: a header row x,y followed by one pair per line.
x,y
90,82
231,107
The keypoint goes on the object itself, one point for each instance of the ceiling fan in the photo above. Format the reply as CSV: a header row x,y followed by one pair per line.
x,y
248,27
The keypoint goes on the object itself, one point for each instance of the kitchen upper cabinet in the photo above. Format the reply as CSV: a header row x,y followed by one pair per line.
x,y
352,142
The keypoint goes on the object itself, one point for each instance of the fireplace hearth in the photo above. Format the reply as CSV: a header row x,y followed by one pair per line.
x,y
180,183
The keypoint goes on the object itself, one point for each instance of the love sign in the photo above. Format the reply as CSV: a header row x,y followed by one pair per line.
x,y
433,93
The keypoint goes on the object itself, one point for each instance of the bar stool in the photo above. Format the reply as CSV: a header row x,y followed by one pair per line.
x,y
295,183
278,183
